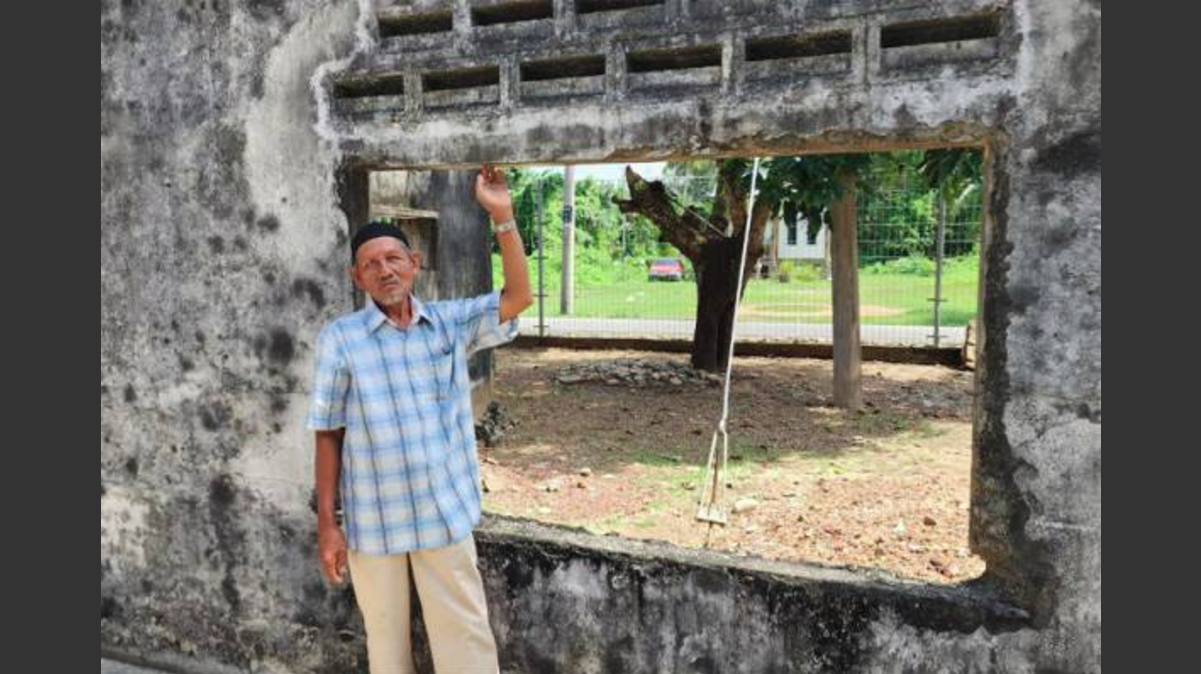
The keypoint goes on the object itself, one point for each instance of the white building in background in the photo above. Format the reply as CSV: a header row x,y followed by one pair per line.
x,y
794,243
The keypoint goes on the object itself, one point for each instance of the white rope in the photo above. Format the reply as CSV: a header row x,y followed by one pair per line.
x,y
746,246
710,508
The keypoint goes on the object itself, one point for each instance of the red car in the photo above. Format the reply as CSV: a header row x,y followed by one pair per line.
x,y
667,269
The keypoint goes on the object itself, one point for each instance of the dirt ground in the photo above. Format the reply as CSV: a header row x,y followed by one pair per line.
x,y
886,488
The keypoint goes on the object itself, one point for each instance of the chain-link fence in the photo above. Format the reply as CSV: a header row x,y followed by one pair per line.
x,y
918,265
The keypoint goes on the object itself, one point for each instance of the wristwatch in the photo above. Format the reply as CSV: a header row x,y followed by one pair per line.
x,y
505,226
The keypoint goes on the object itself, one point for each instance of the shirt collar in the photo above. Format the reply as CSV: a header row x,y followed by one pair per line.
x,y
375,316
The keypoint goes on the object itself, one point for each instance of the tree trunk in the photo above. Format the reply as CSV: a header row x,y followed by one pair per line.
x,y
716,291
844,251
775,245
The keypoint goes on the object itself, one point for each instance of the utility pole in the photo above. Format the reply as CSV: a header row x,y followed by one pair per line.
x,y
940,247
541,263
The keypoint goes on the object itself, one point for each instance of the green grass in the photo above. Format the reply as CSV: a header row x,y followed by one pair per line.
x,y
887,298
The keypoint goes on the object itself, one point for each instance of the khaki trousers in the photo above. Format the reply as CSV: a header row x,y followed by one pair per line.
x,y
452,605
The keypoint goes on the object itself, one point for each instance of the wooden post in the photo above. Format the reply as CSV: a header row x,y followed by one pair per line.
x,y
354,197
844,251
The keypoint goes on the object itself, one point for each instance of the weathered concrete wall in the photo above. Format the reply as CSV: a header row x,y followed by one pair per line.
x,y
574,602
222,251
678,78
1038,450
229,144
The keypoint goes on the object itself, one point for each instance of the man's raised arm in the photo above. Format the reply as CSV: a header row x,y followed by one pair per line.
x,y
492,191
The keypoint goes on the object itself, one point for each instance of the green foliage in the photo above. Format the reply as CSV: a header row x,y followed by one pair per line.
x,y
803,187
912,265
965,266
952,171
808,273
784,274
801,272
898,212
610,246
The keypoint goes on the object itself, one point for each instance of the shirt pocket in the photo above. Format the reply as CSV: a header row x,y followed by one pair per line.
x,y
443,352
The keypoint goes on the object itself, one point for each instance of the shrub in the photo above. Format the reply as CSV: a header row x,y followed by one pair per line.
x,y
806,273
913,265
784,274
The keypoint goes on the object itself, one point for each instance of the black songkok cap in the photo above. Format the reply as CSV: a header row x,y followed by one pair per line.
x,y
374,230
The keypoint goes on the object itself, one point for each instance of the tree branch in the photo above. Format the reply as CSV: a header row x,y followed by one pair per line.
x,y
686,231
733,195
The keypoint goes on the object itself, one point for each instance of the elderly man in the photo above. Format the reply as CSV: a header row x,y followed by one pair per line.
x,y
392,413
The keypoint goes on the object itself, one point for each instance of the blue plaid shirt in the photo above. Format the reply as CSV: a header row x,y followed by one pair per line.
x,y
410,476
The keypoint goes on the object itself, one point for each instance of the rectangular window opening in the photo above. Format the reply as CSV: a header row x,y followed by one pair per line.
x,y
402,25
461,78
807,481
562,68
798,46
937,31
369,87
685,58
512,12
594,6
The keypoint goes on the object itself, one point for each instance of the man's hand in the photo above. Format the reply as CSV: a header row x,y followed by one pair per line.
x,y
331,548
492,191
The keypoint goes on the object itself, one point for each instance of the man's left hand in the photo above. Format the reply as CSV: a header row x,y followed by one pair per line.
x,y
492,191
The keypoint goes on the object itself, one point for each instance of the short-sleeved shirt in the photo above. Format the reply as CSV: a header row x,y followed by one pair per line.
x,y
409,471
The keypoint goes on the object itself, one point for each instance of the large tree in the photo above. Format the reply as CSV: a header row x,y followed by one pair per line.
x,y
711,235
712,240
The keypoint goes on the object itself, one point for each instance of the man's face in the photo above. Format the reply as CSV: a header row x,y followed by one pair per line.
x,y
385,270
